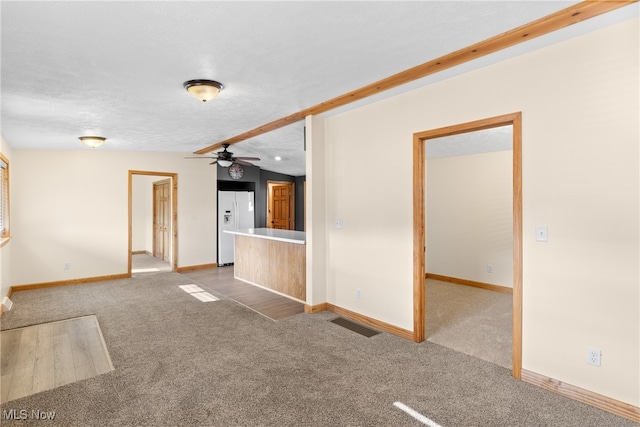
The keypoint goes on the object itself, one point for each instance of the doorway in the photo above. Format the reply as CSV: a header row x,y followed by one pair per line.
x,y
469,240
281,205
163,213
419,227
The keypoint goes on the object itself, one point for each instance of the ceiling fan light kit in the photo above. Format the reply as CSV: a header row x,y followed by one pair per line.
x,y
204,90
225,158
92,141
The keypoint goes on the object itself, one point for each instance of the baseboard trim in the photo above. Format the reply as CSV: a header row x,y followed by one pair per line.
x,y
585,396
141,253
382,326
357,317
313,309
488,286
32,286
196,267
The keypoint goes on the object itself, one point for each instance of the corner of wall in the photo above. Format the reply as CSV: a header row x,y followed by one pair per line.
x,y
315,214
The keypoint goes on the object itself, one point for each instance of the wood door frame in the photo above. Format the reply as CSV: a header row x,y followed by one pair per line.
x,y
292,201
419,229
153,231
174,214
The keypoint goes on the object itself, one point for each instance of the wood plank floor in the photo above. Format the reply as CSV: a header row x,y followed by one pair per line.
x,y
42,357
261,300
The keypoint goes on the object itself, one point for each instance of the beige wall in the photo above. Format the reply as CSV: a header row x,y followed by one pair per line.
x,y
71,206
142,212
5,251
470,217
579,101
315,214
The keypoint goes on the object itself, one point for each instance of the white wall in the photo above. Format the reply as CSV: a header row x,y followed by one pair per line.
x,y
71,206
142,213
579,101
470,217
5,251
315,215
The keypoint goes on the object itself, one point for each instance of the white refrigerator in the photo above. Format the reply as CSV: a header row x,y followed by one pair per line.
x,y
235,212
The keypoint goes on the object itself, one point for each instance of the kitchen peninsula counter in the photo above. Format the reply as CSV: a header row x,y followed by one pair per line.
x,y
272,259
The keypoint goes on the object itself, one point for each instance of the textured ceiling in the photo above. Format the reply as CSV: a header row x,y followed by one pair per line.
x,y
116,69
481,141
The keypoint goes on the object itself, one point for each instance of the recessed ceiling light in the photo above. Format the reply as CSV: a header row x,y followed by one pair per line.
x,y
278,158
204,90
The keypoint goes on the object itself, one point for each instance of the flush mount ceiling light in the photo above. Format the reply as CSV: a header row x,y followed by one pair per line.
x,y
92,141
204,90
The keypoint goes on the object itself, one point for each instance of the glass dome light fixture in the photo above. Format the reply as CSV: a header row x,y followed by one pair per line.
x,y
92,141
204,90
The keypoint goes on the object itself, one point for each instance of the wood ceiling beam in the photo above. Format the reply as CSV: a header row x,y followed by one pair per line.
x,y
548,24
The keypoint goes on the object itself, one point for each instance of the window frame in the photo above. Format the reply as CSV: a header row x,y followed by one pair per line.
x,y
5,235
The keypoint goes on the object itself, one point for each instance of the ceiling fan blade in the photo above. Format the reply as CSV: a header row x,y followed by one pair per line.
x,y
210,148
201,157
242,162
214,162
247,158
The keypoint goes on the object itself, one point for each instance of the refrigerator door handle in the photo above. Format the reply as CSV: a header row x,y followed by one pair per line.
x,y
235,204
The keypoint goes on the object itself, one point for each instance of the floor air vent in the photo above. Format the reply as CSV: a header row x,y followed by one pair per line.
x,y
355,327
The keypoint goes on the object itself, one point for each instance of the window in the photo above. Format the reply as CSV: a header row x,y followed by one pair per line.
x,y
4,197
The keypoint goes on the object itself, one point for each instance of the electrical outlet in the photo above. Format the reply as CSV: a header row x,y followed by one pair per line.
x,y
593,356
489,269
358,293
67,265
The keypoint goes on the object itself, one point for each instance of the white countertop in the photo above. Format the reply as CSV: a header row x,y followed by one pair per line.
x,y
289,236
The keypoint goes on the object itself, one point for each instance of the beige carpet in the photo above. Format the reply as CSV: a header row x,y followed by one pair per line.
x,y
470,320
144,263
182,362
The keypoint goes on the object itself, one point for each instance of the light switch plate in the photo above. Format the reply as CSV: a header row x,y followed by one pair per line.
x,y
542,233
338,223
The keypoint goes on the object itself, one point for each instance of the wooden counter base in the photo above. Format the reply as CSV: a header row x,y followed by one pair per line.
x,y
273,264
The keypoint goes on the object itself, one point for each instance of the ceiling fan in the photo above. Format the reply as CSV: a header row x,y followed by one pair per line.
x,y
225,158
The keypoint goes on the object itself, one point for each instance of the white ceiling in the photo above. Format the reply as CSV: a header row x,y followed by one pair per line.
x,y
116,69
462,144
